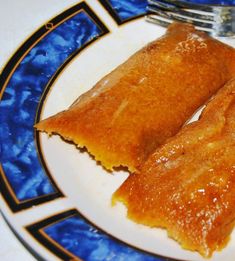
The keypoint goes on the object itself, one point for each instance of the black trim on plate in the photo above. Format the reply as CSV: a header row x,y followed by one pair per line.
x,y
34,230
16,205
58,250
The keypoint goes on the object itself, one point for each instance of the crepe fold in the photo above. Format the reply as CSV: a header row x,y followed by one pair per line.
x,y
147,99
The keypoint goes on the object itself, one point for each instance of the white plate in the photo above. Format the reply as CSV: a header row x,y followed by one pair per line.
x,y
55,197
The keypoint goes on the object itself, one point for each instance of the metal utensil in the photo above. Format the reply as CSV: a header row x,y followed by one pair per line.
x,y
217,20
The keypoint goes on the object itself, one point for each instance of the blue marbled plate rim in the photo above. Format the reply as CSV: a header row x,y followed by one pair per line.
x,y
18,81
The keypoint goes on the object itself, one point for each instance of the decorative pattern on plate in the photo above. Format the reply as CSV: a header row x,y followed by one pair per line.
x,y
23,81
68,235
123,11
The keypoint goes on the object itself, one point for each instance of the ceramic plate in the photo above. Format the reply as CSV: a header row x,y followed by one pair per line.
x,y
55,197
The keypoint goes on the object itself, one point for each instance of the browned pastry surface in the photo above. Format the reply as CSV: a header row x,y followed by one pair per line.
x,y
188,185
145,100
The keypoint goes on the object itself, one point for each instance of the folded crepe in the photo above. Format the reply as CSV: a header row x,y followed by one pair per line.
x,y
147,99
188,185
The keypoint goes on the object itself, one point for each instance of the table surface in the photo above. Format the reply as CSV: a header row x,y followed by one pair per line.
x,y
11,248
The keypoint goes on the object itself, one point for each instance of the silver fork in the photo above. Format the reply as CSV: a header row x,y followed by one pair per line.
x,y
214,19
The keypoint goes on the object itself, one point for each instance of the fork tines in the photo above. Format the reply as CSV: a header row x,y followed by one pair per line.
x,y
163,12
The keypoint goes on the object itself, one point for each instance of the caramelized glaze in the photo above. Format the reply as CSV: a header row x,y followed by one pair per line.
x,y
188,185
147,99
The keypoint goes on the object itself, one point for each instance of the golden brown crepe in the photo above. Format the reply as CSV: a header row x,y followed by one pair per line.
x,y
145,100
188,185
